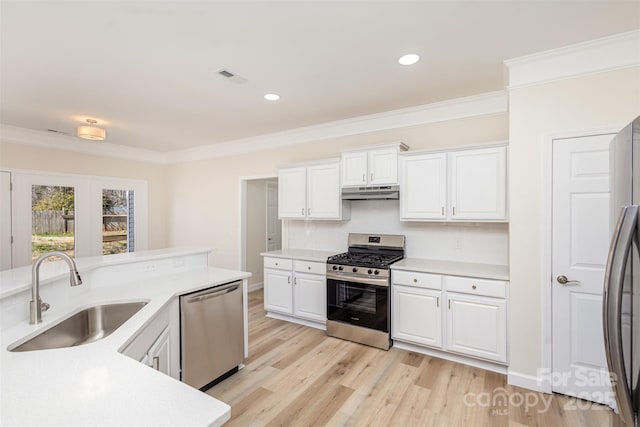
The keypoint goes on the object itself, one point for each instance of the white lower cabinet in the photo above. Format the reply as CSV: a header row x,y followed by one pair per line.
x,y
461,315
417,316
296,288
477,326
158,344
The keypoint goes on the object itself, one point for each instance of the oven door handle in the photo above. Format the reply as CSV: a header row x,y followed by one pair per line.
x,y
363,280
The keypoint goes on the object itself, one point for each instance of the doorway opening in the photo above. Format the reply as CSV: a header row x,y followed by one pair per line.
x,y
261,228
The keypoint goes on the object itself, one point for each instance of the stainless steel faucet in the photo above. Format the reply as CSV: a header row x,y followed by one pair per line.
x,y
36,306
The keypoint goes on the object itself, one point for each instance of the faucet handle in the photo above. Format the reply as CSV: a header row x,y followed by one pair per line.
x,y
44,306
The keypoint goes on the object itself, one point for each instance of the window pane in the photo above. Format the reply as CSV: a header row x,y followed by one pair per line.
x,y
52,220
117,222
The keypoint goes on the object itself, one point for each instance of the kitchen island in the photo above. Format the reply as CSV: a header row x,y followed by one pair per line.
x,y
95,384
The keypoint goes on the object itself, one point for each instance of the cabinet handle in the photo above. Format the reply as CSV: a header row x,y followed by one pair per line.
x,y
309,267
442,211
289,279
156,363
454,211
473,286
308,211
276,264
449,304
437,301
415,280
363,178
295,281
371,176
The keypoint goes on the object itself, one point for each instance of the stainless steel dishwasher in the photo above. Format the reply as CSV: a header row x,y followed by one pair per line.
x,y
212,334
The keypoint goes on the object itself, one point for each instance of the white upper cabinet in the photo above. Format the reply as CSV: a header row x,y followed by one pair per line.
x,y
462,185
292,193
423,185
311,192
373,166
478,184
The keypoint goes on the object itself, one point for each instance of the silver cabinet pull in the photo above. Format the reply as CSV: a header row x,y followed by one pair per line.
x,y
415,280
454,211
309,267
437,301
449,304
371,176
289,279
295,281
442,211
562,279
473,286
156,363
363,178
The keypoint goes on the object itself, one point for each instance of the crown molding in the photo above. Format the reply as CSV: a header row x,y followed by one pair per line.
x,y
37,138
594,56
477,105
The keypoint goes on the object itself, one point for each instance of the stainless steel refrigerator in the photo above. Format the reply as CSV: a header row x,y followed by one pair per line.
x,y
621,304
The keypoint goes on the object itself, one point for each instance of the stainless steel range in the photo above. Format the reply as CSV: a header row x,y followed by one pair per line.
x,y
358,289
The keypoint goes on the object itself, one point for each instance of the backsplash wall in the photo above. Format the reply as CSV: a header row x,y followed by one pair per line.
x,y
485,243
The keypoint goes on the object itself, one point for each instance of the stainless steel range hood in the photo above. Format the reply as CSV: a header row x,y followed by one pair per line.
x,y
385,192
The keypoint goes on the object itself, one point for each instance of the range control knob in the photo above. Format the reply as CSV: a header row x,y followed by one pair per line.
x,y
376,272
355,270
335,267
369,271
340,268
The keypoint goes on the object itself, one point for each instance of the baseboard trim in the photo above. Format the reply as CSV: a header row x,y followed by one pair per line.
x,y
482,364
255,287
304,322
530,382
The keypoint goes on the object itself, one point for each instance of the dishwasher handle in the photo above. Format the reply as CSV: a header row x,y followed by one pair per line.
x,y
212,293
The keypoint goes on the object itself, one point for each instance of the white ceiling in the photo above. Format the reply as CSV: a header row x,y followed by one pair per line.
x,y
147,71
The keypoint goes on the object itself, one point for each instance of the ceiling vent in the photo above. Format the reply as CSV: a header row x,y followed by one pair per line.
x,y
232,77
57,131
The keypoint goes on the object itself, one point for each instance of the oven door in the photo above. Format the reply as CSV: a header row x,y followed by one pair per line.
x,y
358,304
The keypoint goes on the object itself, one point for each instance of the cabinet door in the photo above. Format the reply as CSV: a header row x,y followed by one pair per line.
x,y
383,166
278,294
323,191
478,184
416,316
423,186
477,326
354,169
310,296
159,356
292,193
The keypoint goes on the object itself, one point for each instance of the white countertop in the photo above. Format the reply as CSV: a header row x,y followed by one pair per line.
x,y
93,384
301,254
453,268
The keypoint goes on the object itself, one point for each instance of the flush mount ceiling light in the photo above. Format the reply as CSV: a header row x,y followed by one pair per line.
x,y
272,97
409,59
92,132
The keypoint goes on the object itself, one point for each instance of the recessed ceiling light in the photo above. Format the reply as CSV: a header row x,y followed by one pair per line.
x,y
409,59
272,97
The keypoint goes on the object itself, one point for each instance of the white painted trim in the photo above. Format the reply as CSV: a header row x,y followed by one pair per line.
x,y
256,286
594,56
482,364
292,319
529,382
477,105
546,256
22,136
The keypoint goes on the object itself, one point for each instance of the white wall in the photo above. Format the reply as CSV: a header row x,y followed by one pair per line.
x,y
485,243
596,101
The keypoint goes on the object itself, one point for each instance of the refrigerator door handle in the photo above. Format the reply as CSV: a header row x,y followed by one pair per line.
x,y
612,308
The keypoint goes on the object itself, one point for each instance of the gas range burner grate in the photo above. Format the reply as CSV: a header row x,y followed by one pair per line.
x,y
364,259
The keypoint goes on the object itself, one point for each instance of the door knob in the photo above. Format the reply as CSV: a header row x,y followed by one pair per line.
x,y
564,281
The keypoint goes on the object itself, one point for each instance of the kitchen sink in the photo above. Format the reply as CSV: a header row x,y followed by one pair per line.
x,y
86,326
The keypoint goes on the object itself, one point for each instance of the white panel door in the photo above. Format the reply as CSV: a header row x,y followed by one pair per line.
x,y
323,191
478,184
5,221
292,193
383,166
278,292
423,186
274,225
159,356
477,326
416,316
354,169
581,220
310,296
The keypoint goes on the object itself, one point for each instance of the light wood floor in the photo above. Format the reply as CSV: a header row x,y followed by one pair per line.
x,y
298,376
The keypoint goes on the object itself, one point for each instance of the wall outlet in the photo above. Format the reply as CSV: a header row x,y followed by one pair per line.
x,y
149,268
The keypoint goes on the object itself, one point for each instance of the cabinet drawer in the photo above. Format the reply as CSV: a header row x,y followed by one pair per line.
x,y
310,267
420,280
468,285
279,263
